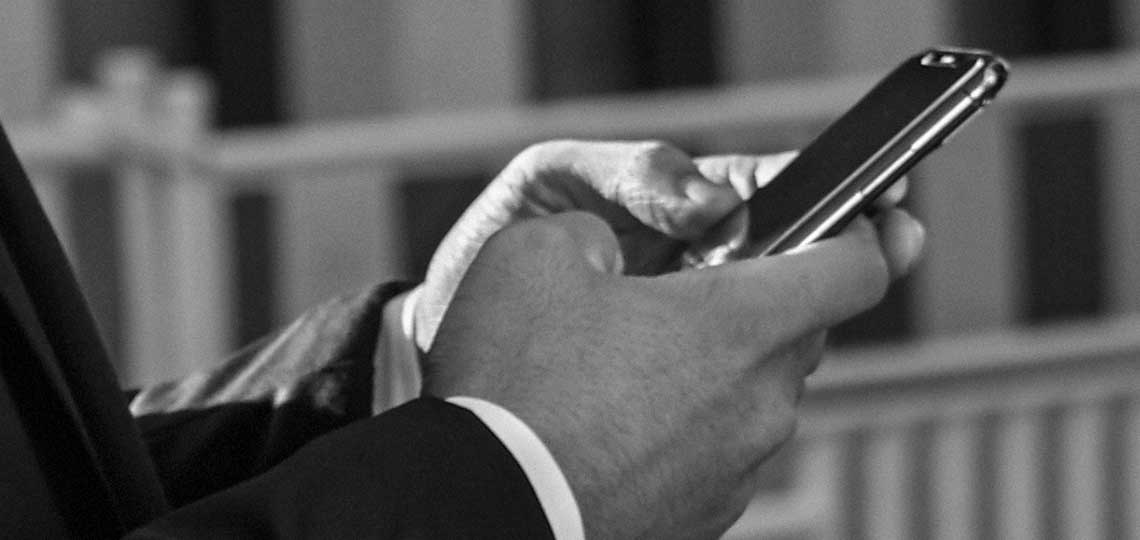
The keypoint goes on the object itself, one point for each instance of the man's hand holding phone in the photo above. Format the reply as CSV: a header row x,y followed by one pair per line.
x,y
653,195
661,394
658,396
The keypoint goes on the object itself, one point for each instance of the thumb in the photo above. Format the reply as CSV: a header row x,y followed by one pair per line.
x,y
666,191
703,204
681,205
806,290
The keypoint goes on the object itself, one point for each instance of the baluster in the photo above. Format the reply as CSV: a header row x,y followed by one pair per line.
x,y
1083,453
968,279
127,77
888,471
1131,471
75,112
953,487
820,485
1020,439
29,52
1121,198
51,189
1121,121
199,240
812,504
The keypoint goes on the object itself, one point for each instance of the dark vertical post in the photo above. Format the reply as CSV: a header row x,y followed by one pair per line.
x,y
238,43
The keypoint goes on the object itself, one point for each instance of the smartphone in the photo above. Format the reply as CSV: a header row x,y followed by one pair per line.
x,y
907,115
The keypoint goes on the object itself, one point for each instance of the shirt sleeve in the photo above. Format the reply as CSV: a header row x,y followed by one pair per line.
x,y
398,379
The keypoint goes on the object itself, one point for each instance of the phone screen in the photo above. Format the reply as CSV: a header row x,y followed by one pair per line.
x,y
848,143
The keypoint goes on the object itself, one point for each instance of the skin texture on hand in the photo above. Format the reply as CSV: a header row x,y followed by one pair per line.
x,y
658,395
651,194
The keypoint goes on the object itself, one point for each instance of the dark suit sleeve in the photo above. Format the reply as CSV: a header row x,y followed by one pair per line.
x,y
426,469
212,430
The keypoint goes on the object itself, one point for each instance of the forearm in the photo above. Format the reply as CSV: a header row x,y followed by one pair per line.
x,y
214,429
426,469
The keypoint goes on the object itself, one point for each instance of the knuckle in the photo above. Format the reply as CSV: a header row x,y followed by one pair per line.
x,y
778,426
540,146
528,236
584,226
529,157
557,236
787,430
549,232
652,147
670,216
502,239
533,149
545,147
650,153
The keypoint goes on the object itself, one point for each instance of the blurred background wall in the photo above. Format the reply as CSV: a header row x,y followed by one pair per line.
x,y
287,61
1034,210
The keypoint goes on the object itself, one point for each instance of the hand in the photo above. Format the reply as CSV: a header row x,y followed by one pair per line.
x,y
653,195
659,396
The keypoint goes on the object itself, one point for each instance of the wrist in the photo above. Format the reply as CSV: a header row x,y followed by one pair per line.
x,y
541,468
607,498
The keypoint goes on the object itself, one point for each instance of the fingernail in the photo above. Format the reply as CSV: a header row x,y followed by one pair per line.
x,y
702,191
918,242
611,263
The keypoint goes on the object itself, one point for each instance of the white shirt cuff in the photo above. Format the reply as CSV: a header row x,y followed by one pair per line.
x,y
396,375
398,379
534,457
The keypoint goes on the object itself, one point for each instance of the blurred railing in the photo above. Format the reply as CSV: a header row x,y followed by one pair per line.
x,y
892,439
1010,435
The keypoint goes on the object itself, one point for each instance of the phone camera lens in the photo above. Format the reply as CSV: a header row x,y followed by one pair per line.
x,y
940,59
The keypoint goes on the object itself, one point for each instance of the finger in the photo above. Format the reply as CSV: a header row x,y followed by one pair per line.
x,y
745,173
769,166
902,238
591,238
894,195
705,203
664,190
811,289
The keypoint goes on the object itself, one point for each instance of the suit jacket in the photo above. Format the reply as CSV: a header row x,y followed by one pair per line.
x,y
276,441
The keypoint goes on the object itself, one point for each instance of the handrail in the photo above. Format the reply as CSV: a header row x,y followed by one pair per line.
x,y
969,376
87,131
423,138
977,356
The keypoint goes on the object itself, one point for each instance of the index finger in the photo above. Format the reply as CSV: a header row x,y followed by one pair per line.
x,y
745,173
893,195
